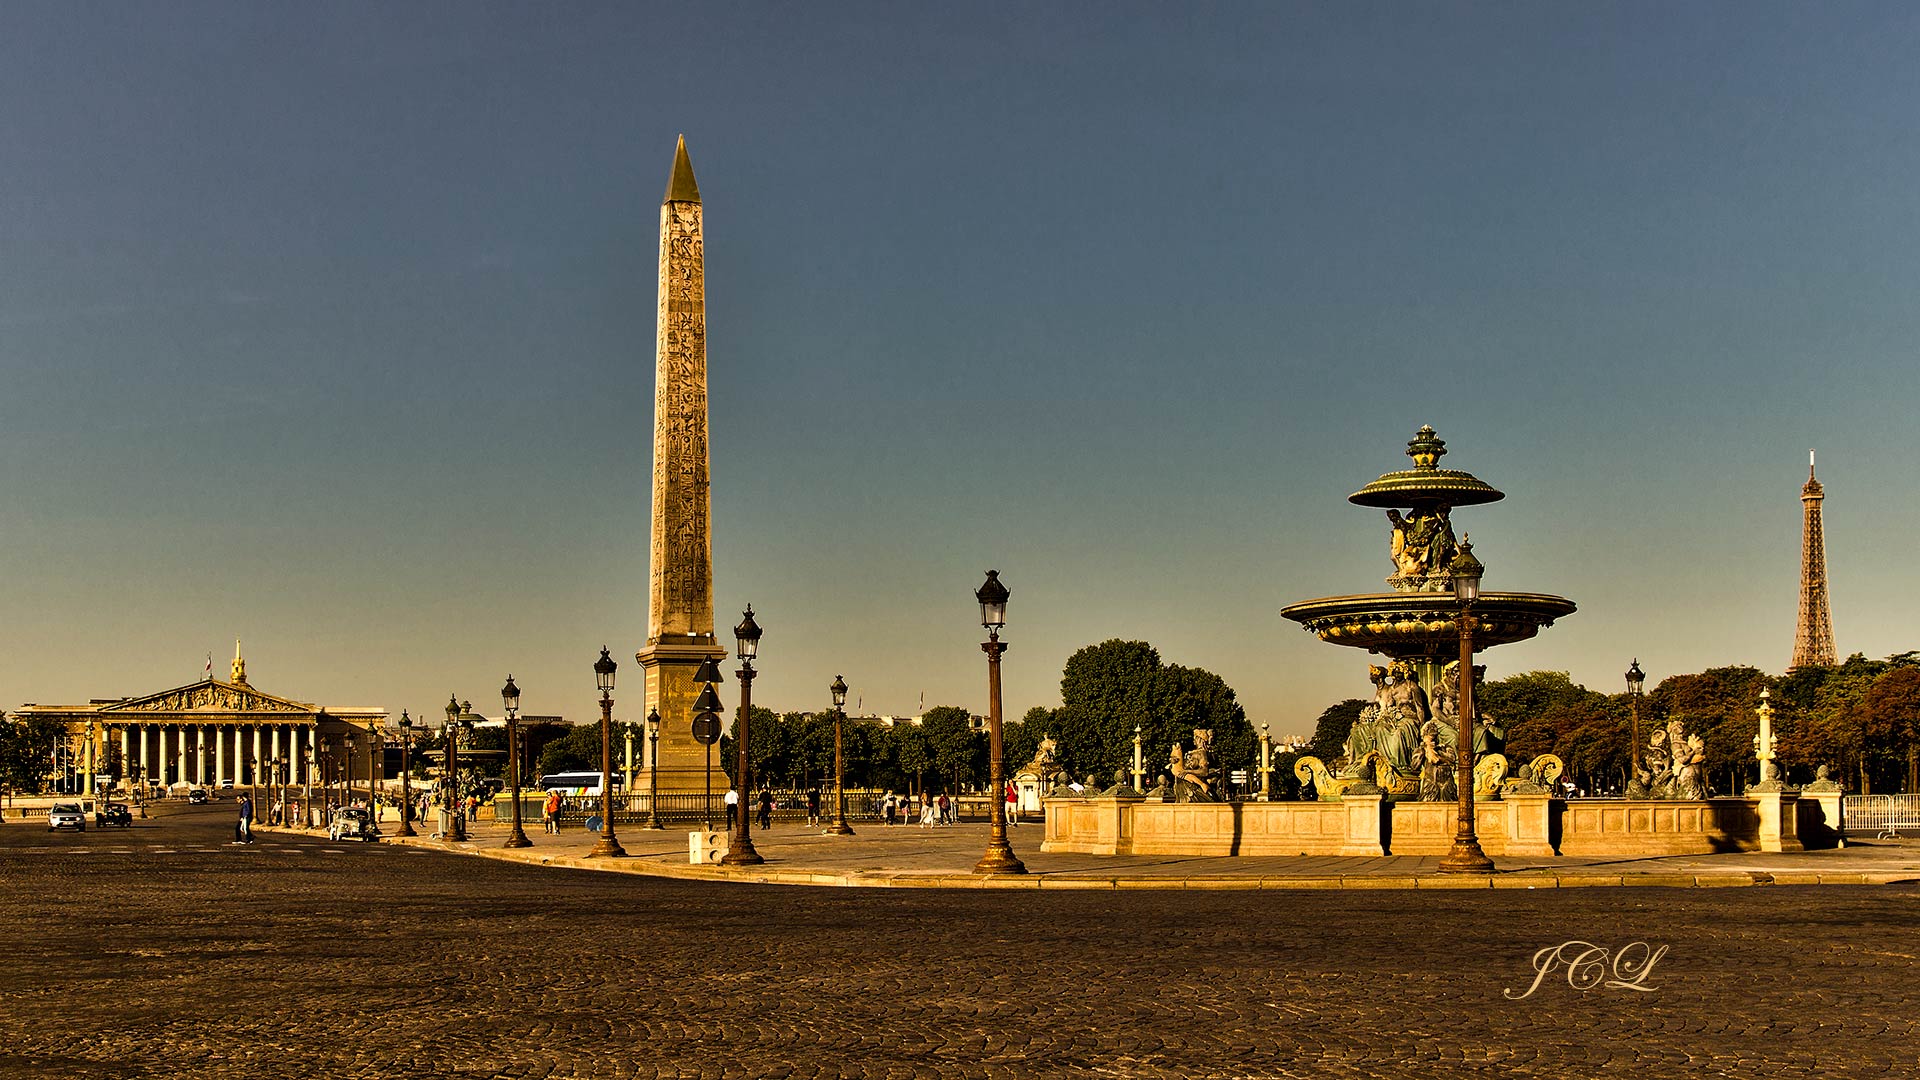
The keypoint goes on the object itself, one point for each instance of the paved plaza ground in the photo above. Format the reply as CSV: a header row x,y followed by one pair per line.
x,y
165,951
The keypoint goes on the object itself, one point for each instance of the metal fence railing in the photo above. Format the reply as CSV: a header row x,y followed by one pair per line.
x,y
1884,816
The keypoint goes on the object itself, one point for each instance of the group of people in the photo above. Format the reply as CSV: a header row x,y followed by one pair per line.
x,y
934,810
764,816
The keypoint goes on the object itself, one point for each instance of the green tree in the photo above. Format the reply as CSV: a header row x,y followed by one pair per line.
x,y
958,750
912,753
26,752
576,751
812,749
1887,717
1718,705
1331,730
1109,689
1019,742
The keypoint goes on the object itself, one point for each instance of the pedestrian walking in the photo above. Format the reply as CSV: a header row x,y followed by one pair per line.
x,y
1013,804
766,809
813,807
929,812
946,809
890,807
733,807
243,832
552,811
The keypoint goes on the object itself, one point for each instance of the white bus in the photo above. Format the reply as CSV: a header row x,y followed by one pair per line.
x,y
575,783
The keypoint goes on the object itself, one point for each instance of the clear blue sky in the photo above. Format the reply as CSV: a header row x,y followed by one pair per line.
x,y
331,327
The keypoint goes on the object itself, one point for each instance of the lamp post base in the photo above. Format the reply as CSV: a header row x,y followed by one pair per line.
x,y
999,859
1466,858
654,823
607,848
518,840
406,830
838,828
741,853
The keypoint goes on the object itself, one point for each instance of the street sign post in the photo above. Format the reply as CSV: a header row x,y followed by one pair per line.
x,y
706,729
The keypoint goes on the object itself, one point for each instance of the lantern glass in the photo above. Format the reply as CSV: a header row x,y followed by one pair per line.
x,y
603,670
510,696
993,598
747,635
839,691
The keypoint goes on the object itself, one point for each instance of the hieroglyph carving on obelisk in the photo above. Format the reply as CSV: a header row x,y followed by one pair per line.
x,y
680,608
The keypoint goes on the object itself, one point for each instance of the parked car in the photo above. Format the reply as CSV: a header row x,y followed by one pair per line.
x,y
352,823
198,796
66,816
117,814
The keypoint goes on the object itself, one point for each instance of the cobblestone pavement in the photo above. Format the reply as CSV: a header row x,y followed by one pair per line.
x,y
164,951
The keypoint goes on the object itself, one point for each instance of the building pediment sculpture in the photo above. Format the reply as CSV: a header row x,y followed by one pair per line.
x,y
211,696
1194,777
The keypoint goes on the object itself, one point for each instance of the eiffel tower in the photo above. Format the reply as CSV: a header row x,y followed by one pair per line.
x,y
1813,638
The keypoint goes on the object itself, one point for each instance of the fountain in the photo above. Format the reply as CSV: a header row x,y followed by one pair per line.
x,y
1402,746
1392,790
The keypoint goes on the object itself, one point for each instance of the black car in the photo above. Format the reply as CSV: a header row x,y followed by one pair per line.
x,y
197,797
113,814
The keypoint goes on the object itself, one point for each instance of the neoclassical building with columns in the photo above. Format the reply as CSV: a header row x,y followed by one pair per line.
x,y
211,731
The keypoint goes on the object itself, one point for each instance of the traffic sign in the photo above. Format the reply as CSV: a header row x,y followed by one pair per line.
x,y
706,728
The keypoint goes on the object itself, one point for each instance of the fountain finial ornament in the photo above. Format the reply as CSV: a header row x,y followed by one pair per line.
x,y
1425,448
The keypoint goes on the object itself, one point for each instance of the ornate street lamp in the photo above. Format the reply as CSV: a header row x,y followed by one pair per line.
x,y
353,743
1466,856
653,769
510,697
999,858
839,826
326,780
406,777
609,845
452,800
376,760
1635,680
740,852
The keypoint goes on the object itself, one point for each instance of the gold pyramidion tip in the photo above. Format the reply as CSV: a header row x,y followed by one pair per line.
x,y
680,186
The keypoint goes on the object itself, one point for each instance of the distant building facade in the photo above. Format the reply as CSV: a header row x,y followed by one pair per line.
x,y
207,734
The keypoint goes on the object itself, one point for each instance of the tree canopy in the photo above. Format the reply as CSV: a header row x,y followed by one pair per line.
x,y
1110,689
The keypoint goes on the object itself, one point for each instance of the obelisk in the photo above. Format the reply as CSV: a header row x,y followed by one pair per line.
x,y
680,609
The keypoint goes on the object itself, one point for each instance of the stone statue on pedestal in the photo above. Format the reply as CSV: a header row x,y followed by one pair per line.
x,y
1194,778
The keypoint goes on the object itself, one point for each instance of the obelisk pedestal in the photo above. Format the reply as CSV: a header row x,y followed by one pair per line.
x,y
680,610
